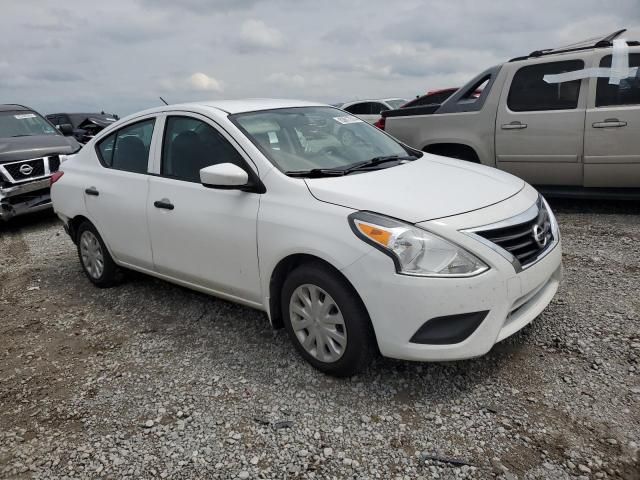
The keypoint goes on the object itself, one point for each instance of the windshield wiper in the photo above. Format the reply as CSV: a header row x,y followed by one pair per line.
x,y
21,135
376,161
338,172
316,173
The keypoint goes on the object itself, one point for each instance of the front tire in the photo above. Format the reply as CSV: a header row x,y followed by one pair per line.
x,y
326,321
95,258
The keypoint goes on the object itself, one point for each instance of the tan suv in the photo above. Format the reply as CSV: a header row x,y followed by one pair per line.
x,y
572,136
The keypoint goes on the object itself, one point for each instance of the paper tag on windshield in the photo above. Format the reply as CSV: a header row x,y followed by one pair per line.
x,y
25,115
347,119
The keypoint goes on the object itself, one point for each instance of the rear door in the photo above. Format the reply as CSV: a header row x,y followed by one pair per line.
x,y
116,198
540,125
612,129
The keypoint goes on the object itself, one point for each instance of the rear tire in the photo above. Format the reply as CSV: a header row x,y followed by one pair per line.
x,y
326,321
95,259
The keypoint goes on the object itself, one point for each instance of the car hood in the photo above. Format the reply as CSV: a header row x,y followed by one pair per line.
x,y
34,146
425,189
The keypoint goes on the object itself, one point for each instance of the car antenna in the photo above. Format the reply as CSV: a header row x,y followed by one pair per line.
x,y
163,101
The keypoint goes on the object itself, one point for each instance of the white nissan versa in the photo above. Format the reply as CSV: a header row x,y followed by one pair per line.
x,y
355,249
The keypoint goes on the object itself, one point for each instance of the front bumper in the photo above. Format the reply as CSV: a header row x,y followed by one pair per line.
x,y
504,298
24,198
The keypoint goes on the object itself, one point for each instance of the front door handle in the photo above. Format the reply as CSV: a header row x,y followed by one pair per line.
x,y
609,123
514,126
92,191
164,203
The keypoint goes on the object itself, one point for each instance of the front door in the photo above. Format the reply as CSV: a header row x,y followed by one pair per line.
x,y
612,126
540,125
200,235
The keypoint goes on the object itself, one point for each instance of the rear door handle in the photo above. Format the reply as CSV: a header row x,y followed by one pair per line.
x,y
92,191
514,126
164,203
609,123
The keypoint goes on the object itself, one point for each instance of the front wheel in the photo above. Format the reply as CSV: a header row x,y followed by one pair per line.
x,y
95,258
327,321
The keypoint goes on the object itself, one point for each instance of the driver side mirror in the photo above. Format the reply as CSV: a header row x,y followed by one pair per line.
x,y
66,129
224,176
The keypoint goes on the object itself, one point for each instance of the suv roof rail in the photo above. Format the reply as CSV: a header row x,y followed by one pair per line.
x,y
604,42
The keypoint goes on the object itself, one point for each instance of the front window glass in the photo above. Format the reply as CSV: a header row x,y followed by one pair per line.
x,y
306,138
529,91
22,123
191,145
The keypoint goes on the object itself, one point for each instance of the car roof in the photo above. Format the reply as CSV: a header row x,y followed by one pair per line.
x,y
10,107
231,106
94,114
372,100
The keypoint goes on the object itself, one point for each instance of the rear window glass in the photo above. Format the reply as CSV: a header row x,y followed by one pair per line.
x,y
626,93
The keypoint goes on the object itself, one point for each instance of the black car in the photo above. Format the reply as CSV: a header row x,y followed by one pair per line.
x,y
30,152
83,126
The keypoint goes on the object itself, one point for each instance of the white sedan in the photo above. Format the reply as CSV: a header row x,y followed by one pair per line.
x,y
355,249
370,110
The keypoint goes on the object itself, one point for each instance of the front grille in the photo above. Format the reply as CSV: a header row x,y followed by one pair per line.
x,y
26,170
54,163
525,240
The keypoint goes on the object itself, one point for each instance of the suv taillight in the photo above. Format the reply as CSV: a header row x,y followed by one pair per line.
x,y
55,177
380,123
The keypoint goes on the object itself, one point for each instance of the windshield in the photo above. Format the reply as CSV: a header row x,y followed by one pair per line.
x,y
305,138
396,103
22,123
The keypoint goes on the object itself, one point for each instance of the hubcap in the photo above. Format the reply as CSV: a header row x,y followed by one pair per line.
x,y
318,323
91,253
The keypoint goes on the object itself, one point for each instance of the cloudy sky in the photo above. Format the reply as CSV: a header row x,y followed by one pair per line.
x,y
120,55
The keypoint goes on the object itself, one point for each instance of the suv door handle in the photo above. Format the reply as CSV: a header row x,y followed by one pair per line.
x,y
609,123
164,203
514,126
92,191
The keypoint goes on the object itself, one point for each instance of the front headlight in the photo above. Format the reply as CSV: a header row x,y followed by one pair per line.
x,y
414,250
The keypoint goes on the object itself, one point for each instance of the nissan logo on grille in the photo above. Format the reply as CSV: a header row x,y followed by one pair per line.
x,y
26,169
540,235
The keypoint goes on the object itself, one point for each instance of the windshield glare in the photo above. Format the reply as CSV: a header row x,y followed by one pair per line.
x,y
300,139
24,123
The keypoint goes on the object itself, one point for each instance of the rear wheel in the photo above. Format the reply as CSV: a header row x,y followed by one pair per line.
x,y
95,258
460,152
327,321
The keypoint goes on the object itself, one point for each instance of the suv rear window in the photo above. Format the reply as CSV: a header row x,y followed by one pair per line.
x,y
529,92
626,93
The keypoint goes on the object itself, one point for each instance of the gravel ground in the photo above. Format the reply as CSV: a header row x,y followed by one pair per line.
x,y
149,380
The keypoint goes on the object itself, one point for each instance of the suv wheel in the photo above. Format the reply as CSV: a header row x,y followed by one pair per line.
x,y
95,258
326,321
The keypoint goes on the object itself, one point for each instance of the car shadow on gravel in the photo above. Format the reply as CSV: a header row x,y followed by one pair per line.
x,y
34,221
240,336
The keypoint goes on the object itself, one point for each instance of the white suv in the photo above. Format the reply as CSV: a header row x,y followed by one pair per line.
x,y
355,249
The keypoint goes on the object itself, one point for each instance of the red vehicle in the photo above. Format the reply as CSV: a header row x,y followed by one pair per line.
x,y
432,97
